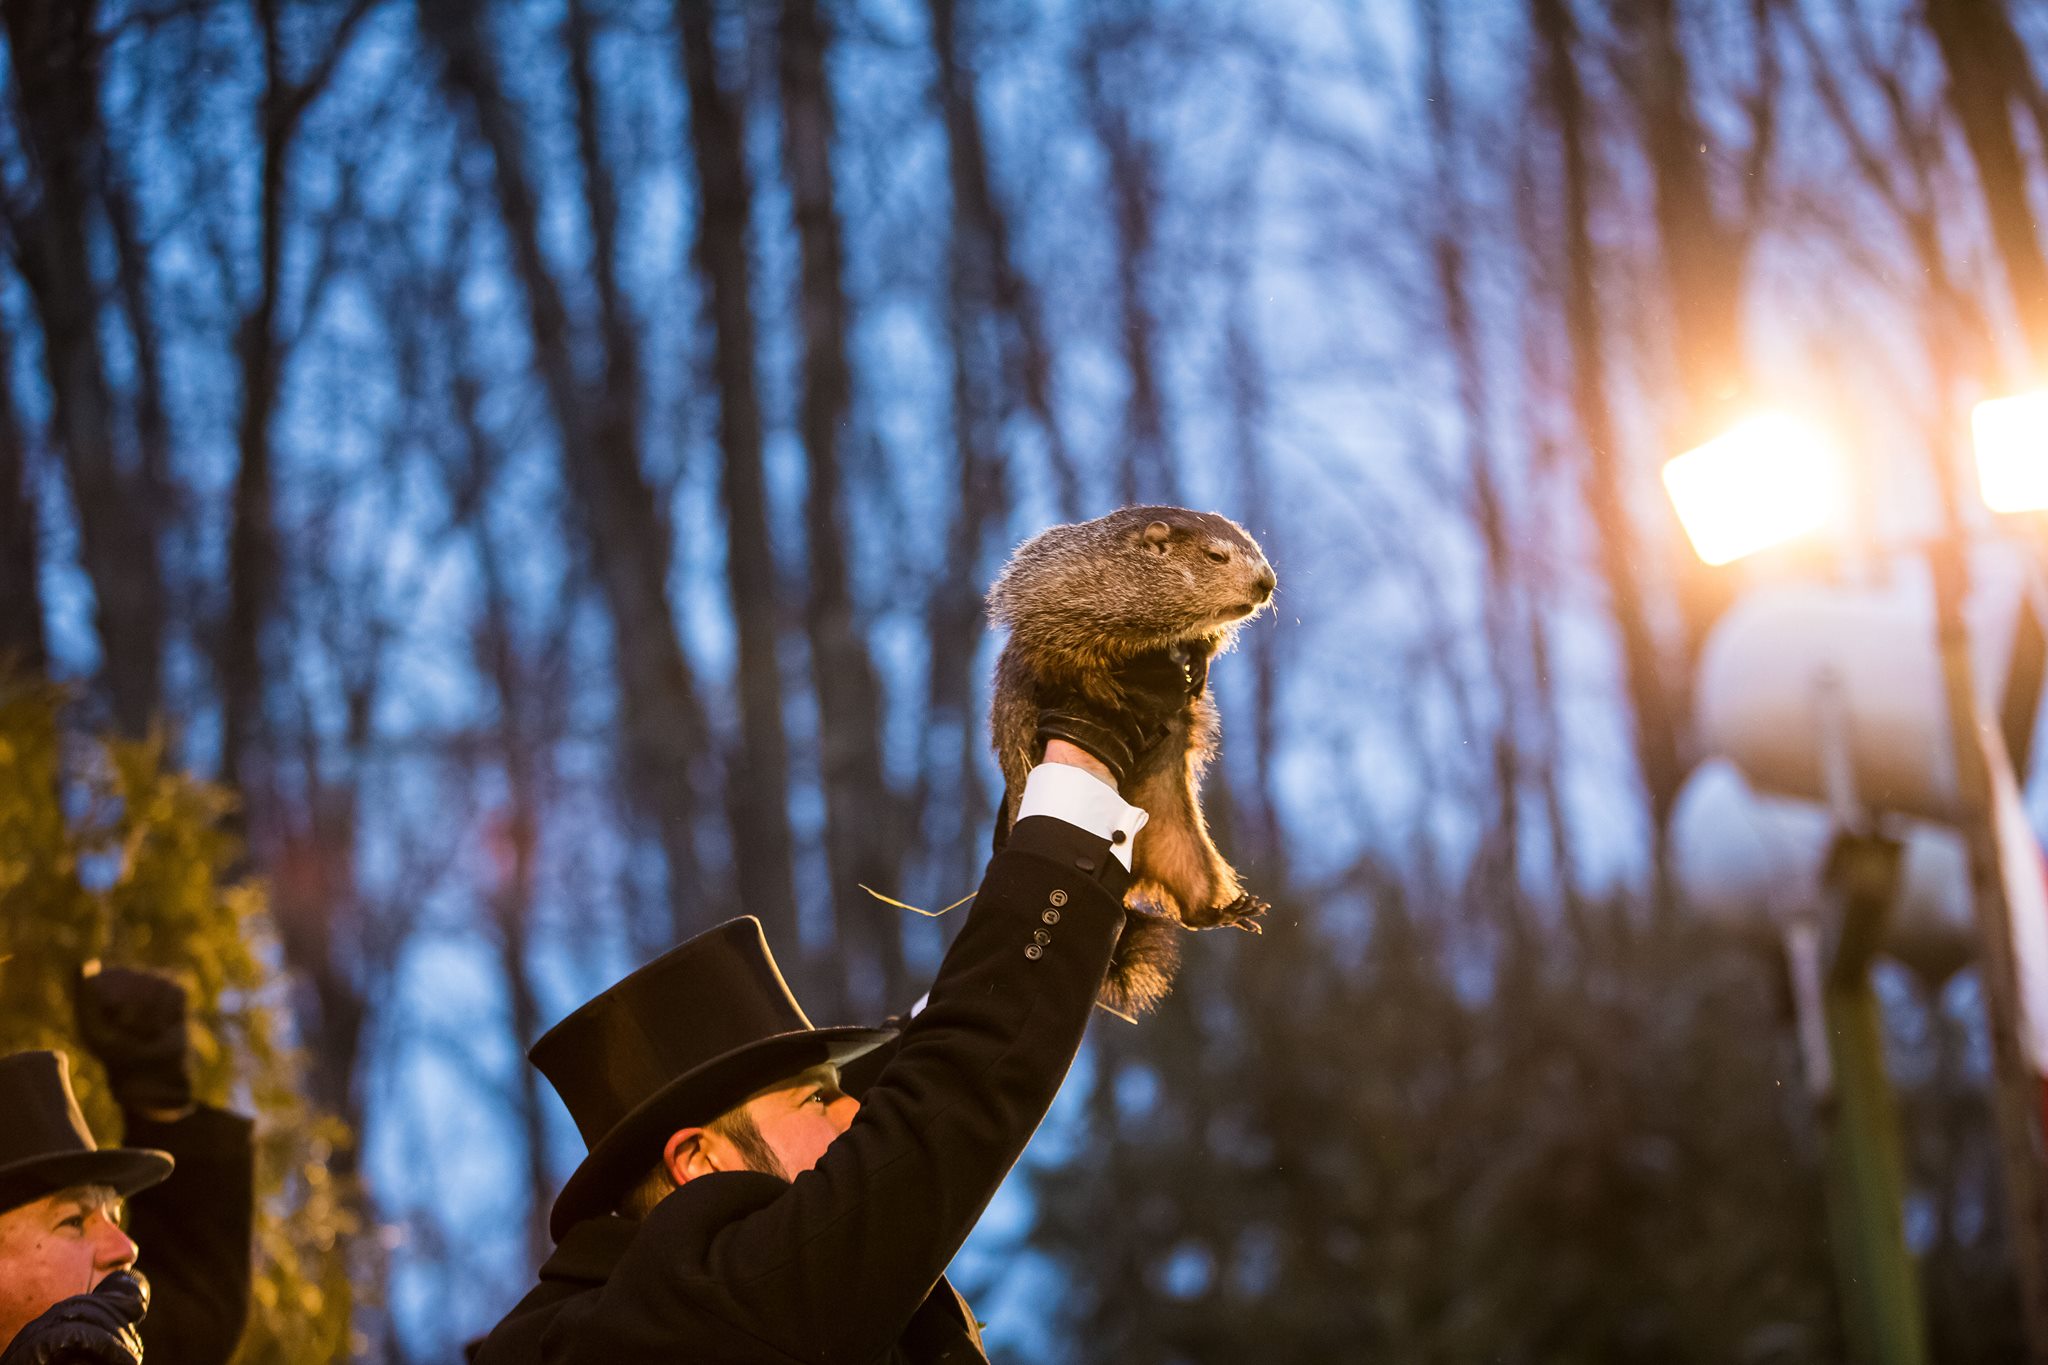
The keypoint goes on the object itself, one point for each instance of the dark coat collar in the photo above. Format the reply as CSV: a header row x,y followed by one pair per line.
x,y
590,1249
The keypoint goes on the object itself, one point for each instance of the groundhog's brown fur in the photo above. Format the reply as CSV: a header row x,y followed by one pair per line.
x,y
1081,600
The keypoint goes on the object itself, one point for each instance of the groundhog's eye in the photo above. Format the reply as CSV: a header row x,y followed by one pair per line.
x,y
1220,556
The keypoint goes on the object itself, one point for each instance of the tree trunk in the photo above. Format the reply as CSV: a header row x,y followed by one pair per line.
x,y
1603,472
1507,644
23,651
664,738
954,619
1244,381
1701,252
1990,76
54,48
152,419
253,560
1147,463
1703,256
1020,365
865,831
522,749
757,787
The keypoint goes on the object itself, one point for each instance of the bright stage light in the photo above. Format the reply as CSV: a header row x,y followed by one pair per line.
x,y
1770,479
2011,436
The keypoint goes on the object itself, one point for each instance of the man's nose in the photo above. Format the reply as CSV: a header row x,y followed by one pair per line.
x,y
843,1112
112,1248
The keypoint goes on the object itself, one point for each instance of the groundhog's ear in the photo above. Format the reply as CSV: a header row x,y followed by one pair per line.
x,y
1157,534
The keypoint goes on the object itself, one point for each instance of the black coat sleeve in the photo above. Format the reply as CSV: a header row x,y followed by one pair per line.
x,y
194,1234
834,1264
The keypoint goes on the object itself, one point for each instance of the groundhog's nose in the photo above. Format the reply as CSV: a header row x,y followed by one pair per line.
x,y
1265,583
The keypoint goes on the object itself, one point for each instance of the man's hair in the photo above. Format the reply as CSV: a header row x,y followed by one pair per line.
x,y
652,1188
736,1126
92,1196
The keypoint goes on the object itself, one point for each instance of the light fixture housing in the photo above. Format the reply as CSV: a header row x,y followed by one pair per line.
x,y
2011,438
1766,481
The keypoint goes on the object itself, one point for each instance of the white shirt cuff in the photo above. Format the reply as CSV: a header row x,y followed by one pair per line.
x,y
1084,801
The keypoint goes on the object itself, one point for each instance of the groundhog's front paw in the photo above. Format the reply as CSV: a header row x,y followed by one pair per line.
x,y
1243,913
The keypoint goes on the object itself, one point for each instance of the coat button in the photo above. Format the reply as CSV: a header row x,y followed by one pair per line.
x,y
1033,951
1051,917
1058,898
1085,864
1040,936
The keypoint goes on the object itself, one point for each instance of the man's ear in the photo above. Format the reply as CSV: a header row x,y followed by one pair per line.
x,y
687,1155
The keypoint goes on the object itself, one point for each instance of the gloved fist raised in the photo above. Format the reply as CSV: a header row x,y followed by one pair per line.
x,y
100,1328
134,1022
1152,689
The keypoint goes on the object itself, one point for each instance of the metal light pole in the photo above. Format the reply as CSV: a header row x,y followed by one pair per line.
x,y
1710,487
1769,480
1866,1181
2016,1089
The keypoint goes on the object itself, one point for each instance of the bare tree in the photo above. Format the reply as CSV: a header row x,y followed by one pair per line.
x,y
664,737
21,600
1992,81
1604,472
262,352
757,787
1116,99
141,315
1451,238
530,697
1703,250
974,272
54,49
866,824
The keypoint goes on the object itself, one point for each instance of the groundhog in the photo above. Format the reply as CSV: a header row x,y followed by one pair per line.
x,y
1079,602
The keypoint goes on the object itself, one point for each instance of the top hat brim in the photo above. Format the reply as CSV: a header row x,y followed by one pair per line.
x,y
628,1152
125,1170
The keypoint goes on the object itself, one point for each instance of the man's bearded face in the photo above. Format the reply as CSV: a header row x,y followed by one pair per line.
x,y
797,1120
62,1244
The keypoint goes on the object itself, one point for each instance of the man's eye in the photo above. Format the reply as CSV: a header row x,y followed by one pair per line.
x,y
76,1220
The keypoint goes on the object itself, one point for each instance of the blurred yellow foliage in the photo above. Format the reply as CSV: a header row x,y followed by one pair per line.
x,y
107,852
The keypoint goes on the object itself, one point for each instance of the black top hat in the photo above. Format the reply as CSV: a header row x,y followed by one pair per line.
x,y
677,1043
44,1143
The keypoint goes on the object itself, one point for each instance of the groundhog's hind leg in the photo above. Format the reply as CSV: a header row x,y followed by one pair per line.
x,y
1142,971
1176,864
1172,861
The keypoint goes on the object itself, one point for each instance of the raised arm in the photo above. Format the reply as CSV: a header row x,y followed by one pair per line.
x,y
833,1265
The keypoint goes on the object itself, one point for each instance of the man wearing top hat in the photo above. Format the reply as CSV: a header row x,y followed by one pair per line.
x,y
736,1204
72,1282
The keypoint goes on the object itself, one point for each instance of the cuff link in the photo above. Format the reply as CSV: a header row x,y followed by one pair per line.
x,y
1040,937
1058,898
1033,951
1050,917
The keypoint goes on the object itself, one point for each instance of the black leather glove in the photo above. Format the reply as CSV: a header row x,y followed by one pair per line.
x,y
134,1022
99,1328
1155,686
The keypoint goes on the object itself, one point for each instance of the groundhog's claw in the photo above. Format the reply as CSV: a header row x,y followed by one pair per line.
x,y
1243,913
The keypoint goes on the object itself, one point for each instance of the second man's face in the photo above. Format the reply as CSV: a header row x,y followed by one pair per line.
x,y
800,1120
60,1245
